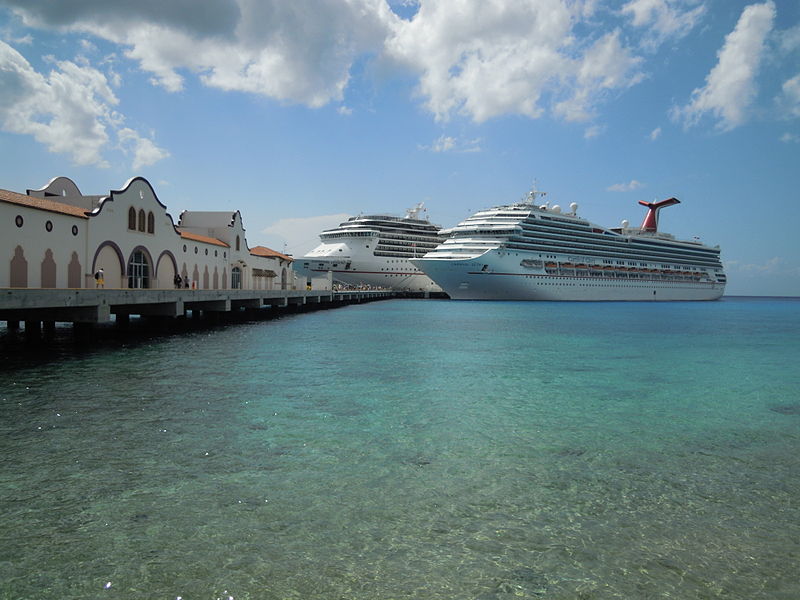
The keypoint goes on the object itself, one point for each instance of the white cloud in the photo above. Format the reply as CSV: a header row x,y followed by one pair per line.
x,y
145,152
605,66
70,110
655,134
299,51
664,18
625,187
790,138
790,39
473,58
485,59
443,144
298,236
790,96
730,86
593,131
446,143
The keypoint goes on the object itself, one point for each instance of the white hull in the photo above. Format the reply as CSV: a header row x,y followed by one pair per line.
x,y
352,265
497,275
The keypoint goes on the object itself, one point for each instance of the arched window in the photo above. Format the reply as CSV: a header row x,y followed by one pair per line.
x,y
237,243
138,271
141,220
151,223
236,278
132,218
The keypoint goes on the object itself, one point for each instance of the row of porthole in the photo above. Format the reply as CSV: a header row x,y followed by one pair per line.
x,y
216,253
19,222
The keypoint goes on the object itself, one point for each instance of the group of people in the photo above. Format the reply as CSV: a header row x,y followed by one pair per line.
x,y
180,282
183,282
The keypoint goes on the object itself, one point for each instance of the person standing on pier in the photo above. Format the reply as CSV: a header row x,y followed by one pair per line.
x,y
99,278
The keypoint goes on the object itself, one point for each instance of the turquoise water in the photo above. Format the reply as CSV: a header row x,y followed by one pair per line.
x,y
413,449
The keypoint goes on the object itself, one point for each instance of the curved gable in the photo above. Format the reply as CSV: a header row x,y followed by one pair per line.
x,y
57,186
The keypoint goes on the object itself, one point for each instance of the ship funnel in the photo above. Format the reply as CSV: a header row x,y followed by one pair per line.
x,y
650,222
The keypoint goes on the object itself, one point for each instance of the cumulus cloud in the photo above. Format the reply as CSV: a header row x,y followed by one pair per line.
x,y
70,110
145,152
299,51
664,19
790,39
593,131
67,110
485,59
730,86
446,143
789,99
625,187
476,59
473,58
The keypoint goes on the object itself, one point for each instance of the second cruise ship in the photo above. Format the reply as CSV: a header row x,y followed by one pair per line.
x,y
527,251
375,251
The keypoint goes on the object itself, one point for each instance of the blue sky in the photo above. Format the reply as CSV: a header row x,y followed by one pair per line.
x,y
301,113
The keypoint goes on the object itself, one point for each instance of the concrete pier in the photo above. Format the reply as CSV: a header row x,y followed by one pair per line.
x,y
87,307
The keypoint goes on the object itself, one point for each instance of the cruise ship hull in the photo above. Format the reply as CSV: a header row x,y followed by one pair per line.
x,y
353,263
498,275
399,275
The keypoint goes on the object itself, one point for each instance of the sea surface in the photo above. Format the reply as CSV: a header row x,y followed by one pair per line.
x,y
411,449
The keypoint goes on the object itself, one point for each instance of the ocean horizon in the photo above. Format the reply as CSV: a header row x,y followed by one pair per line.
x,y
424,449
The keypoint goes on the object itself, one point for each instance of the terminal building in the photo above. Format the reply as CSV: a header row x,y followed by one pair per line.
x,y
56,237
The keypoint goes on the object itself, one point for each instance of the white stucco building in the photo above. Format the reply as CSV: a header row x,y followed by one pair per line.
x,y
56,237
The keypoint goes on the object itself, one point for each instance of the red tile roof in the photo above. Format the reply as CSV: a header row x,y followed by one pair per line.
x,y
196,237
269,253
43,204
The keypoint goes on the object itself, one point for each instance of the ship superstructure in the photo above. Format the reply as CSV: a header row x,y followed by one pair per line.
x,y
531,251
375,251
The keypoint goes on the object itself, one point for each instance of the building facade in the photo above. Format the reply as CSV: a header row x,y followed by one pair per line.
x,y
56,237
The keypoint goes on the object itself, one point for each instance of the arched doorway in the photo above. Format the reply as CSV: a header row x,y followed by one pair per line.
x,y
236,278
138,270
165,272
110,258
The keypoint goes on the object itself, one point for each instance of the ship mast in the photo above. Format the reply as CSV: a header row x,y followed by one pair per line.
x,y
530,197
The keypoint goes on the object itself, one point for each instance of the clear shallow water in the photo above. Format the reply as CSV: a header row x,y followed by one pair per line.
x,y
413,449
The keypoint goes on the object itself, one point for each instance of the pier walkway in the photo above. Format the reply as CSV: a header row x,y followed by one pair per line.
x,y
84,307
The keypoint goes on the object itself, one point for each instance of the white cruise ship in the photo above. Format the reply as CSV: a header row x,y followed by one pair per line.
x,y
375,250
527,251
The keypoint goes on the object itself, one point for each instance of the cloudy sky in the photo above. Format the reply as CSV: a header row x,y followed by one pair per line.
x,y
300,113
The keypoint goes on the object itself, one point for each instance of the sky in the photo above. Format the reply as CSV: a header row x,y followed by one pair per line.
x,y
302,113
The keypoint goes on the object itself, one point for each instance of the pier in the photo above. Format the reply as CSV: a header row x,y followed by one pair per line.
x,y
41,309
